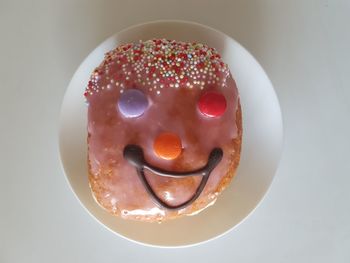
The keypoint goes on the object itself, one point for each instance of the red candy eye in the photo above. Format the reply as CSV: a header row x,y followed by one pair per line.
x,y
212,104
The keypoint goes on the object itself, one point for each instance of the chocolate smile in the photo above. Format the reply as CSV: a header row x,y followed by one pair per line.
x,y
134,154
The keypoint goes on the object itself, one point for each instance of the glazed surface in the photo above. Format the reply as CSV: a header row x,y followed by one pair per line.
x,y
172,107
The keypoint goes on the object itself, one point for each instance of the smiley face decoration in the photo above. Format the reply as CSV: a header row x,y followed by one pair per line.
x,y
164,129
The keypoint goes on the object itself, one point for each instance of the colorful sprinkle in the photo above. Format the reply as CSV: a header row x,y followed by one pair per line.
x,y
159,63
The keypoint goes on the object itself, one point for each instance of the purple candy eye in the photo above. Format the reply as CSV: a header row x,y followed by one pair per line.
x,y
132,103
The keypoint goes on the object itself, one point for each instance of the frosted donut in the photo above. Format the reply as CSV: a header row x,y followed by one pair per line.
x,y
164,129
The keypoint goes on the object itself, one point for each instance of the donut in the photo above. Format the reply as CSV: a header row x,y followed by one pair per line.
x,y
164,129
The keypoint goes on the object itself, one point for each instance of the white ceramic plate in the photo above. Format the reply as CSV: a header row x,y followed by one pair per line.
x,y
261,149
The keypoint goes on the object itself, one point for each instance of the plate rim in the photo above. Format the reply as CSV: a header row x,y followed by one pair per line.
x,y
183,22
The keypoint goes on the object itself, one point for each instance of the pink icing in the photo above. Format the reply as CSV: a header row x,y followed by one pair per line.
x,y
171,109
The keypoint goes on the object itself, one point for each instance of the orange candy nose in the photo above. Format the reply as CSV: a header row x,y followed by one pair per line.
x,y
167,146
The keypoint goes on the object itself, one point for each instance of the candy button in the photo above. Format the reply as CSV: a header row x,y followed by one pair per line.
x,y
132,103
167,146
212,104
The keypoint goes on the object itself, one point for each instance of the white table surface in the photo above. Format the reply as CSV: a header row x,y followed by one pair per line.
x,y
304,46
